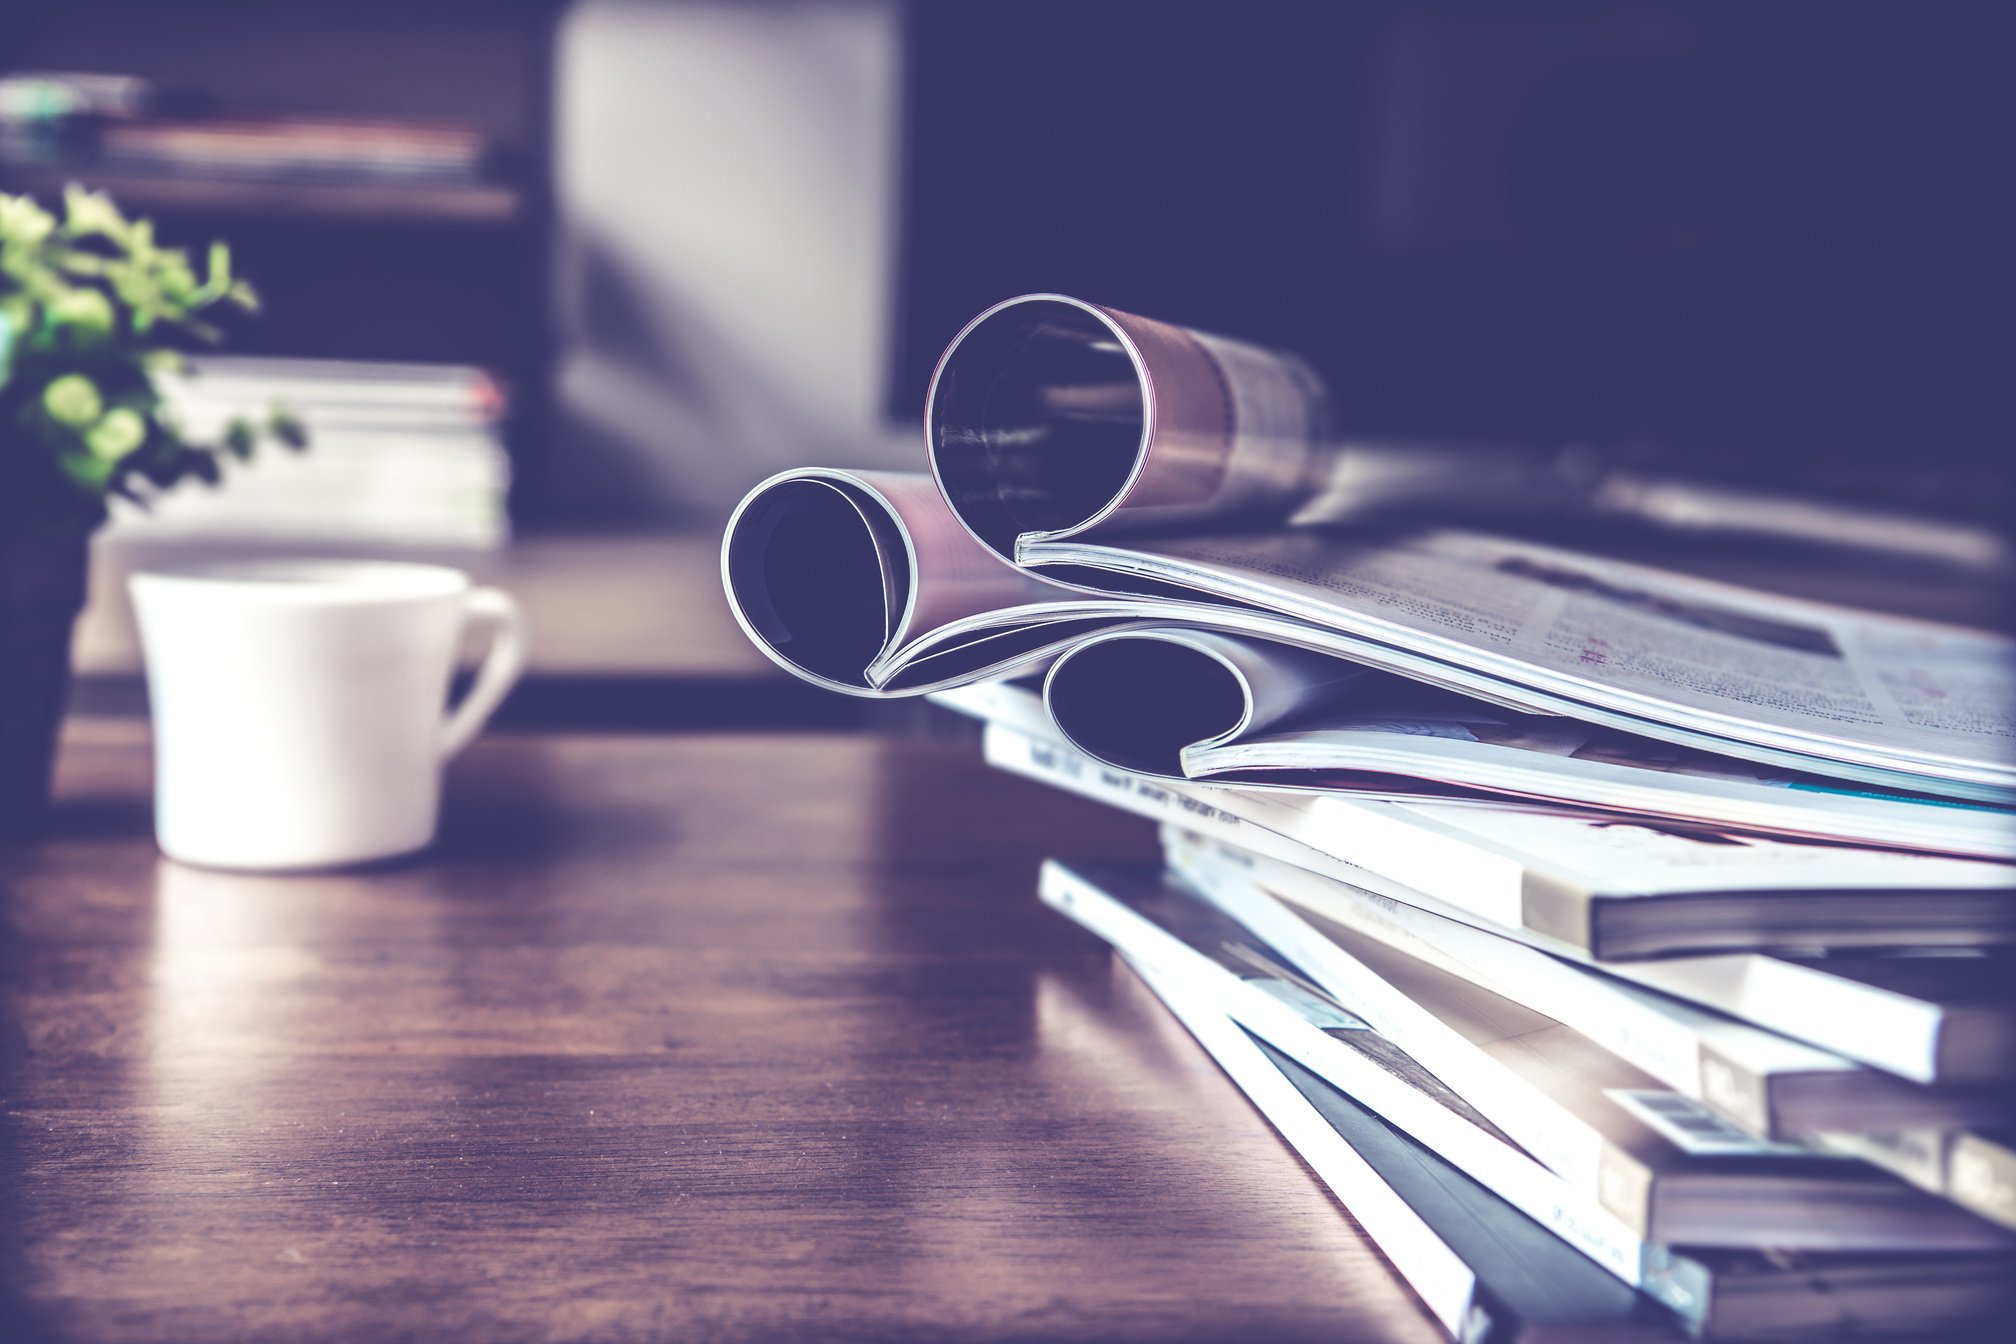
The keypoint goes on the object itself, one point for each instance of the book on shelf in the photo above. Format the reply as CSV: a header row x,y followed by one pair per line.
x,y
44,96
399,454
87,122
295,149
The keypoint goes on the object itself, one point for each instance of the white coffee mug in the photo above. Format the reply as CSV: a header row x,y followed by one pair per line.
x,y
299,705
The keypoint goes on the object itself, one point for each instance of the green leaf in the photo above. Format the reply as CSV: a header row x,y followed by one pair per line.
x,y
86,469
23,223
92,212
78,262
73,400
120,431
85,315
239,438
176,279
137,288
286,426
86,298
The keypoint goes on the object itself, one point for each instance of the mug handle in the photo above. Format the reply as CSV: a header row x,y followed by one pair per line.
x,y
493,607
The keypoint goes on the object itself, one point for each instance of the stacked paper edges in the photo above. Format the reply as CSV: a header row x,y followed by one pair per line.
x,y
1629,953
399,454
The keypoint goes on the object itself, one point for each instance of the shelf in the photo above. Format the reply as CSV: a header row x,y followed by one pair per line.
x,y
393,202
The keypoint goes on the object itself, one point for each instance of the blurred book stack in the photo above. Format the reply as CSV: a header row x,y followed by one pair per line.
x,y
295,149
82,119
45,115
400,455
163,147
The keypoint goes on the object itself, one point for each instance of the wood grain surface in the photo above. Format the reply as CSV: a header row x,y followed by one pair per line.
x,y
672,1038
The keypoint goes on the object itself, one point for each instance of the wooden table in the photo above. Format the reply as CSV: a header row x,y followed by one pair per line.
x,y
673,1038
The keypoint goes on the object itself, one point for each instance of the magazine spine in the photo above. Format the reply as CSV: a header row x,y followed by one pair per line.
x,y
1974,1171
1623,1019
1561,1140
1526,1184
1887,1031
1445,1284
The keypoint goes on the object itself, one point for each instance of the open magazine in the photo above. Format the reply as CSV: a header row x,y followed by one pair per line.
x,y
1094,472
1185,703
866,583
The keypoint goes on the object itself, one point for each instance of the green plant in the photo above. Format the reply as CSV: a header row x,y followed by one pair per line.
x,y
91,311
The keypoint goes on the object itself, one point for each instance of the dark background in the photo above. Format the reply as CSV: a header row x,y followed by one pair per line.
x,y
1760,242
1753,242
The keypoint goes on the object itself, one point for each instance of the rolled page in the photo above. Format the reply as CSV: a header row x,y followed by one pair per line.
x,y
826,570
1051,416
1137,699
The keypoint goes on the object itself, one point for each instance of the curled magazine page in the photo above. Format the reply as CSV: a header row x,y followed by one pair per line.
x,y
1747,671
1054,417
1138,699
828,570
1049,418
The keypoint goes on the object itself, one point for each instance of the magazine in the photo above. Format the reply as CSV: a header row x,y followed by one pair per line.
x,y
1632,644
1608,1128
1943,1015
1611,890
1975,1168
1478,1259
1485,1272
1771,1087
1200,704
869,584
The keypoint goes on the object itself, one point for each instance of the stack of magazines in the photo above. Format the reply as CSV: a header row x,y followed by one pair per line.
x,y
403,455
1630,954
